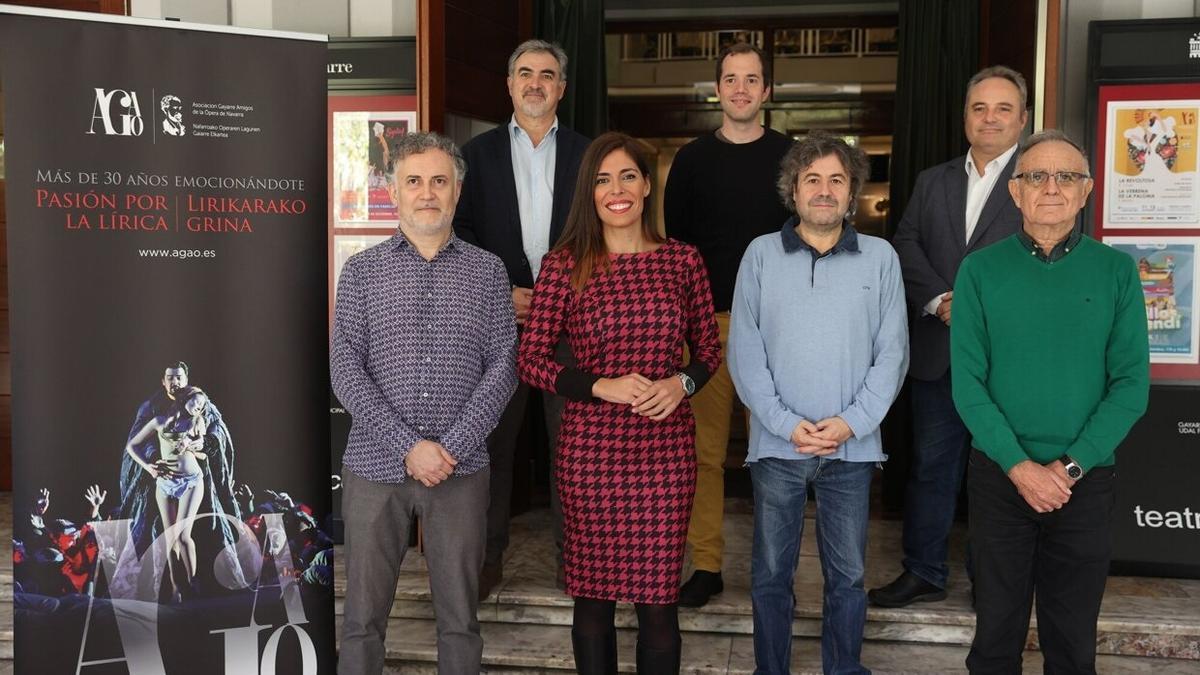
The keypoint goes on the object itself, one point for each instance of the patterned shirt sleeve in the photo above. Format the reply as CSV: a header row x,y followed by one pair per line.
x,y
552,296
354,387
703,338
482,412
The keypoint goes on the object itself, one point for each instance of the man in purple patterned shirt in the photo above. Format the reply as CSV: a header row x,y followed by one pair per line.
x,y
423,357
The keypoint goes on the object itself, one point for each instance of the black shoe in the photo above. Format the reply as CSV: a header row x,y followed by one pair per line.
x,y
905,590
702,586
489,578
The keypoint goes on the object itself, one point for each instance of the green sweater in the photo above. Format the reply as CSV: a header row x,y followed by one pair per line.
x,y
1049,359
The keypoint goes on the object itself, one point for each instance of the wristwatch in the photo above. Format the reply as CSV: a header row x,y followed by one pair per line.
x,y
1074,471
689,385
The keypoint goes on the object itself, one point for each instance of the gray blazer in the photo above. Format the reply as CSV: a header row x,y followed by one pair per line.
x,y
930,243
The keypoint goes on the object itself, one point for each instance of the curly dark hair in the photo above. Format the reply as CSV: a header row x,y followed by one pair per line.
x,y
816,145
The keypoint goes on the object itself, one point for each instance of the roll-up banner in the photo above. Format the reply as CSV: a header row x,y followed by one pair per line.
x,y
167,263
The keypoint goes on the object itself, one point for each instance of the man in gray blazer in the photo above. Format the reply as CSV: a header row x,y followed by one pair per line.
x,y
956,208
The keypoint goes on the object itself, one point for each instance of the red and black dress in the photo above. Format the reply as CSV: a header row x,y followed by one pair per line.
x,y
626,481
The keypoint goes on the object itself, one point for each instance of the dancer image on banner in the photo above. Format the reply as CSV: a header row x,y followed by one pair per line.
x,y
53,557
177,474
155,471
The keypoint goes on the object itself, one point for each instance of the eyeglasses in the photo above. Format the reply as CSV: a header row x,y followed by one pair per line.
x,y
1061,178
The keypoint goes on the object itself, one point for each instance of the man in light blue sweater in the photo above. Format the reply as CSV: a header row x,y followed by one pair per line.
x,y
818,348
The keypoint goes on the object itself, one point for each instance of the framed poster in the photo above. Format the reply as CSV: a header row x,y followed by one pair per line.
x,y
1150,164
362,132
361,157
1147,203
346,245
1148,172
1168,267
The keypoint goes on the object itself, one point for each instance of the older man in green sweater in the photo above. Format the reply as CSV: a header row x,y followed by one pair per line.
x,y
1050,368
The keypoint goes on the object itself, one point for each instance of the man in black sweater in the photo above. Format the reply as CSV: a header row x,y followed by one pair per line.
x,y
720,195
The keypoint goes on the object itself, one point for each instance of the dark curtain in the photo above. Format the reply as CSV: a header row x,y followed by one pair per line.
x,y
939,52
578,25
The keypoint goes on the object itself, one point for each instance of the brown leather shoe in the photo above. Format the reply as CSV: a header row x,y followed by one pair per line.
x,y
489,578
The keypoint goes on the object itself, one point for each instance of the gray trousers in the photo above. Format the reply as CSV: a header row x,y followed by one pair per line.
x,y
378,518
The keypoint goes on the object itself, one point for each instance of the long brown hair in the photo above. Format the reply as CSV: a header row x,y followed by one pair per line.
x,y
181,399
583,234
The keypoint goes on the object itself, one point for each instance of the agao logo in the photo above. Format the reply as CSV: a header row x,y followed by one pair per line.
x,y
172,109
118,112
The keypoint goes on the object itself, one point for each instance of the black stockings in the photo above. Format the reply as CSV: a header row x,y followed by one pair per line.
x,y
594,638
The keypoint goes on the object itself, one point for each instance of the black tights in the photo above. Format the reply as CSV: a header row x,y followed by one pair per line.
x,y
594,637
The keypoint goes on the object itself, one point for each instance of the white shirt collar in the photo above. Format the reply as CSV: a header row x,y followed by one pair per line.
x,y
998,163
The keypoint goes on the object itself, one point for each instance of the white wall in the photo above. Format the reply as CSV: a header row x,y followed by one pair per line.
x,y
252,14
1075,17
337,18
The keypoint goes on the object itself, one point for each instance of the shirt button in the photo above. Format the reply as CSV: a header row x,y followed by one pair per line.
x,y
421,428
428,360
424,394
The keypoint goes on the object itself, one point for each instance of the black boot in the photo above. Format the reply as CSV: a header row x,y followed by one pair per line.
x,y
596,654
658,661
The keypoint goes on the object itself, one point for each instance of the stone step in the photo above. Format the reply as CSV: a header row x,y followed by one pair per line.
x,y
527,648
1165,622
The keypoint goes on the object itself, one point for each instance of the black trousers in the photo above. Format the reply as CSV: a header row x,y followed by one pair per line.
x,y
1061,558
502,447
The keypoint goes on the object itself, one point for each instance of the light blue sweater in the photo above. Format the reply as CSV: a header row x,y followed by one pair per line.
x,y
813,336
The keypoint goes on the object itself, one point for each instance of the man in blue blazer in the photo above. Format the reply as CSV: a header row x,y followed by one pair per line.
x,y
956,208
515,198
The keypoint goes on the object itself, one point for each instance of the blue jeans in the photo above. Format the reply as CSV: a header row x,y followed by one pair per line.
x,y
842,493
940,445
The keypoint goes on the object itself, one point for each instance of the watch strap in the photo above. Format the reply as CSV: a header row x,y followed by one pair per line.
x,y
1070,464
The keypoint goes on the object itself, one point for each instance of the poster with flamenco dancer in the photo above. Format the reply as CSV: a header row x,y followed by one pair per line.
x,y
1152,178
166,233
